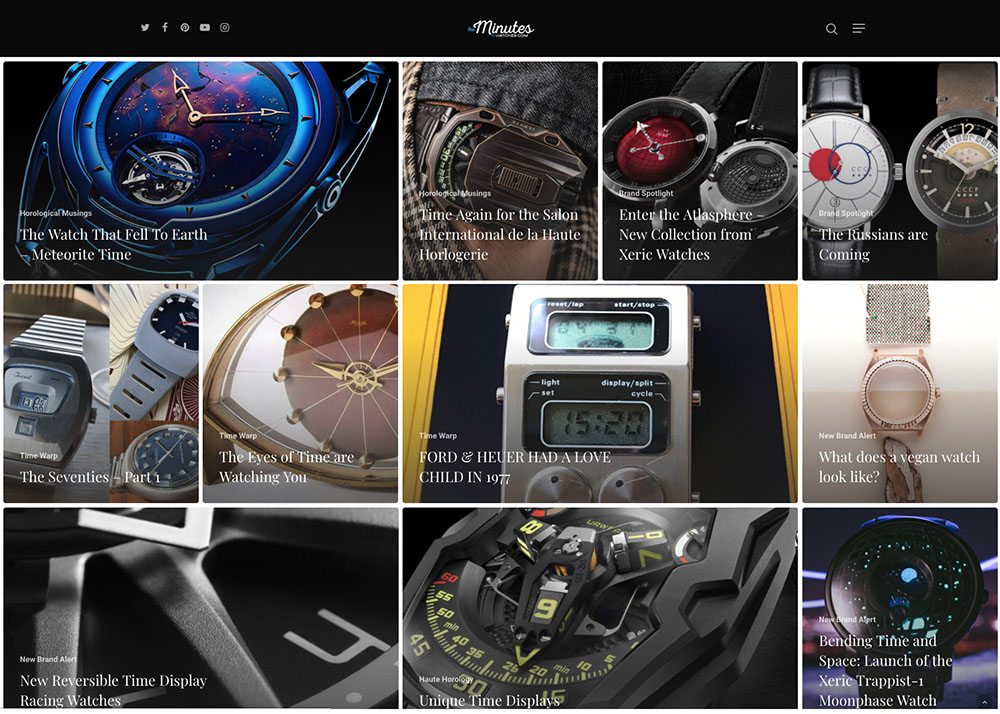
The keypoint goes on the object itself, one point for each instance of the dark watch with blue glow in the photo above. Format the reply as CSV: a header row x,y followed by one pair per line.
x,y
47,395
194,170
902,588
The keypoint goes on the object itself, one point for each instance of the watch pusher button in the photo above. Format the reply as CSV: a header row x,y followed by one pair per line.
x,y
558,484
630,485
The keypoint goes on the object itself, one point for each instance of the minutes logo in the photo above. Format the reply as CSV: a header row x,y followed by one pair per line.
x,y
496,29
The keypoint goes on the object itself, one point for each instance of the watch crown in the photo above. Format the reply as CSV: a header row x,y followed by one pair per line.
x,y
897,172
499,395
696,398
93,415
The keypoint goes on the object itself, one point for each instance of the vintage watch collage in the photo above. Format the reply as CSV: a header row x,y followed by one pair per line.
x,y
525,383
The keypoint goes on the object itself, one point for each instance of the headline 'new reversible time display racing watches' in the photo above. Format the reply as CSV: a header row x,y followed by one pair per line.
x,y
161,464
578,608
167,350
849,171
192,170
47,396
597,394
901,587
475,160
951,170
307,378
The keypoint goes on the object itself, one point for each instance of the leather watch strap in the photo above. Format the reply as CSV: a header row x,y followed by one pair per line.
x,y
55,334
821,265
967,254
774,115
142,386
708,84
897,314
834,88
967,86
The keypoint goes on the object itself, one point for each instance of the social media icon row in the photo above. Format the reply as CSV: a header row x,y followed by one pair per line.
x,y
186,27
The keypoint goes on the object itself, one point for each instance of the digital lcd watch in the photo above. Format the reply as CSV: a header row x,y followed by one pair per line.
x,y
47,396
597,394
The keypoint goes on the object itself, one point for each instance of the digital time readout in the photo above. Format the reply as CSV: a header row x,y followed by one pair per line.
x,y
600,331
611,424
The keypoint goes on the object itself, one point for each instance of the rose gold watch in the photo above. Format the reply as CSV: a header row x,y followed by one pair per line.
x,y
898,391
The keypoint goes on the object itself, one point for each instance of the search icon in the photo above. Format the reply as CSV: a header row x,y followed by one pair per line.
x,y
831,28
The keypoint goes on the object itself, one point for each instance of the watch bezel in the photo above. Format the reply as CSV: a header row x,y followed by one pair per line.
x,y
913,423
156,493
866,529
893,177
916,146
690,177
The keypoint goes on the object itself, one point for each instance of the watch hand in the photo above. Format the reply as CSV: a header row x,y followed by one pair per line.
x,y
165,456
388,369
981,164
189,324
333,369
181,88
195,117
951,159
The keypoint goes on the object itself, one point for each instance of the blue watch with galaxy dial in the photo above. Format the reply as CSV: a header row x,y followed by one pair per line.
x,y
188,169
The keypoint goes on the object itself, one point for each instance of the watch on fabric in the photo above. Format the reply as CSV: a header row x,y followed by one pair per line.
x,y
476,161
951,170
161,464
901,587
166,343
47,396
850,172
193,170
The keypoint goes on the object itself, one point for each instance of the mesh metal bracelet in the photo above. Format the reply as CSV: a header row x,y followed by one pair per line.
x,y
897,314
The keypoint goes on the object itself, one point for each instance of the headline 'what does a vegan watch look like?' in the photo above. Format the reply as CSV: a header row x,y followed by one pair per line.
x,y
951,170
47,396
848,172
192,170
